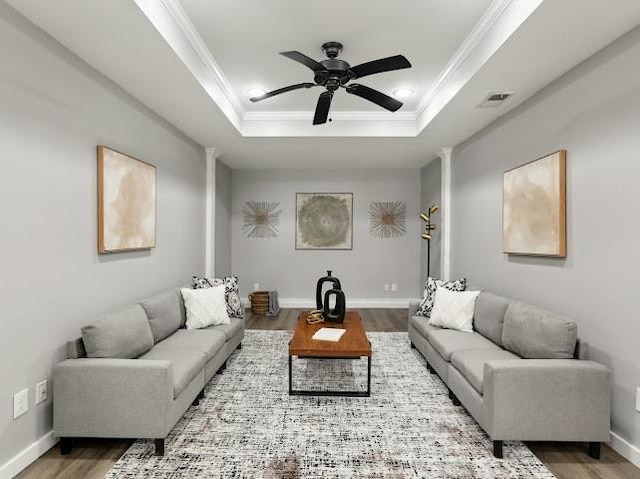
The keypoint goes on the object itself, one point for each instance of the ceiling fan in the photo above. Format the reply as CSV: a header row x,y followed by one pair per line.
x,y
334,73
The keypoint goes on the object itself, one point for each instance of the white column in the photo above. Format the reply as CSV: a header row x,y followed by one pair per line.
x,y
210,211
445,234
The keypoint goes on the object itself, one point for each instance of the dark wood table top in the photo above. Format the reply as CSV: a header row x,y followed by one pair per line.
x,y
353,343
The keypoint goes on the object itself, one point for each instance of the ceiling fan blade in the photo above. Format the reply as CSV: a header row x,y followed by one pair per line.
x,y
322,108
397,62
379,98
305,60
282,90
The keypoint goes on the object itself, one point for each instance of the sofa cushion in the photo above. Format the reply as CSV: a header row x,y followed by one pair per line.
x,y
229,330
205,307
454,309
187,363
163,311
534,333
430,289
448,341
489,316
470,363
421,324
122,334
208,342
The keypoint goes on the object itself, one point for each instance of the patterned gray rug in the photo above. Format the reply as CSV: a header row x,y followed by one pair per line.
x,y
249,427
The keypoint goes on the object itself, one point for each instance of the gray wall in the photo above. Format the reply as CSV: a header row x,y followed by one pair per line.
x,y
275,264
222,231
54,110
593,112
431,186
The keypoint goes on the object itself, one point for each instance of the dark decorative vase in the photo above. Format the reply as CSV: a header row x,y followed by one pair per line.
x,y
334,315
335,285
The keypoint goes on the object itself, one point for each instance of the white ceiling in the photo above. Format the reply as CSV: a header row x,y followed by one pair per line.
x,y
190,62
245,43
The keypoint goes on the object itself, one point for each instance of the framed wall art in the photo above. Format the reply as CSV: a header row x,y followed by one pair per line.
x,y
387,219
534,219
261,219
126,202
324,221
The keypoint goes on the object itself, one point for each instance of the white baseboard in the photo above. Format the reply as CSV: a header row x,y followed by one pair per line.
x,y
352,303
25,457
625,448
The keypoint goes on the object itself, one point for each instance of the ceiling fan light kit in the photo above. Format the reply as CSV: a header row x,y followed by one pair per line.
x,y
334,73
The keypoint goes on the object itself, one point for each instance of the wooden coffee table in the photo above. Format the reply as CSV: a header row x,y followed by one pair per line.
x,y
353,344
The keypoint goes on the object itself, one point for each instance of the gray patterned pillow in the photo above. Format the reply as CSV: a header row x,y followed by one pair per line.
x,y
426,306
234,305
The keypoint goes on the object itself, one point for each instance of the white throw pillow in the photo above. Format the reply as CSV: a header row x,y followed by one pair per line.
x,y
454,309
205,307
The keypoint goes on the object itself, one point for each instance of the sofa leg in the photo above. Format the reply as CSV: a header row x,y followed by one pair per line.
x,y
429,368
196,401
201,395
594,450
413,346
239,346
454,399
66,445
222,368
159,447
497,449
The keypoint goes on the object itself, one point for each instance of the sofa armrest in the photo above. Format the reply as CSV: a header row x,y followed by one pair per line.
x,y
101,397
547,399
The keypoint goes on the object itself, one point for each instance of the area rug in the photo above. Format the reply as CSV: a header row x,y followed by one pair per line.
x,y
249,427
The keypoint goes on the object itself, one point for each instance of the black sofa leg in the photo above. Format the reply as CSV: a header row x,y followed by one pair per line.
x,y
196,401
413,346
222,368
159,447
594,450
239,346
201,395
429,368
66,445
454,399
497,449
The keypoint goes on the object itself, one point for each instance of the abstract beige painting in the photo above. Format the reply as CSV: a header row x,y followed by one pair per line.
x,y
534,207
126,202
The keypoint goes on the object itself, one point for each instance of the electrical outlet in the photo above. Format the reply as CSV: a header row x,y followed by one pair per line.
x,y
20,403
386,287
394,287
638,399
42,391
256,286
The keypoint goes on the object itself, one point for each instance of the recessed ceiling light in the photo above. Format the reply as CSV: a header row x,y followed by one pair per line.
x,y
254,92
403,93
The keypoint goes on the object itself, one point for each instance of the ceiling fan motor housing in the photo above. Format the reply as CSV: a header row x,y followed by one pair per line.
x,y
336,73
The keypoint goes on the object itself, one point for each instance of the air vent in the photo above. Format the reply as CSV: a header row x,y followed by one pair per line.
x,y
495,99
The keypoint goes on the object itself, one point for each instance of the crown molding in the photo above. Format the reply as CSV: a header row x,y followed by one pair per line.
x,y
470,43
335,116
180,16
172,23
495,26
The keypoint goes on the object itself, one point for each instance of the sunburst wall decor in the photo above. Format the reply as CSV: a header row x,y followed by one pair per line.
x,y
387,219
261,219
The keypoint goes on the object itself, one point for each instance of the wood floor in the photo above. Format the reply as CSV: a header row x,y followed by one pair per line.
x,y
92,458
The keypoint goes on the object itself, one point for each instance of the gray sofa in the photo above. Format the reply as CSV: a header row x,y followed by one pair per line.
x,y
142,373
522,373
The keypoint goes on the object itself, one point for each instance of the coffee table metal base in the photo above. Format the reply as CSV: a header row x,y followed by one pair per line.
x,y
311,392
